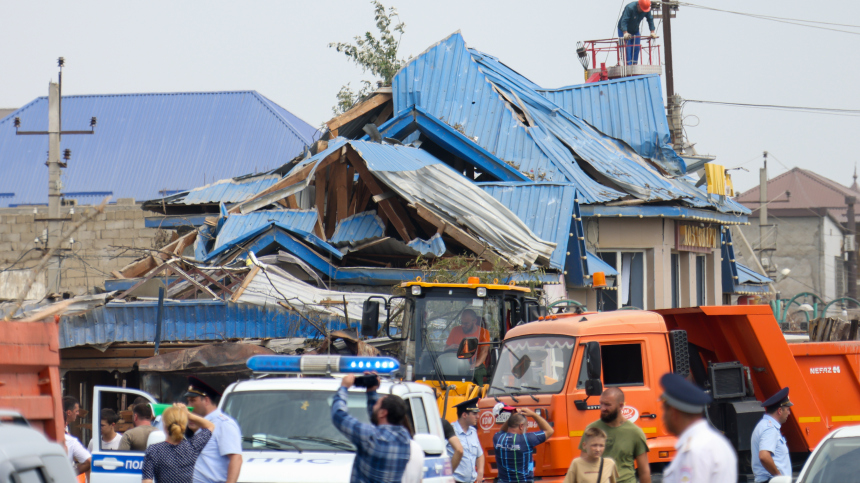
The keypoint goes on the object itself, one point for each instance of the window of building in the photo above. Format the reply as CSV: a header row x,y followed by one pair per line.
x,y
676,280
701,281
630,283
622,365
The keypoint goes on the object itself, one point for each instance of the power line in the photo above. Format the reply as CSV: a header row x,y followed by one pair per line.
x,y
791,21
811,110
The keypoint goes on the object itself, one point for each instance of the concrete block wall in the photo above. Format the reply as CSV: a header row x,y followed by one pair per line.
x,y
107,242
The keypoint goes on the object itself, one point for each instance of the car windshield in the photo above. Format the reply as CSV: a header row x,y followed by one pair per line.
x,y
532,365
838,459
291,420
445,322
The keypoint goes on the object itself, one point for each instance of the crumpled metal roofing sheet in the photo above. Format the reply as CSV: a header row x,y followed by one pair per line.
x,y
233,190
358,228
417,176
148,144
448,83
630,109
237,226
547,209
748,275
184,321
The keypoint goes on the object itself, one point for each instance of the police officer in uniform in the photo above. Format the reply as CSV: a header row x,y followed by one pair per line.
x,y
221,458
471,467
770,456
703,454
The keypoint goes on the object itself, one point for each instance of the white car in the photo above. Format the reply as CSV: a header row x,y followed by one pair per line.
x,y
835,459
26,455
288,433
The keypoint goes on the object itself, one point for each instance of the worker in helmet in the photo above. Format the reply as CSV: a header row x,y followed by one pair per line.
x,y
628,28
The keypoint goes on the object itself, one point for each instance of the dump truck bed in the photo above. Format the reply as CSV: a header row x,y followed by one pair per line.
x,y
824,377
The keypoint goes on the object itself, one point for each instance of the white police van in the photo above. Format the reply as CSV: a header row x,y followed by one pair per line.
x,y
288,435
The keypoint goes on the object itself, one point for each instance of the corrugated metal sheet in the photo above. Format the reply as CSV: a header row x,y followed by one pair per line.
x,y
149,144
184,321
630,109
417,176
747,275
448,83
234,190
596,264
547,209
358,228
238,227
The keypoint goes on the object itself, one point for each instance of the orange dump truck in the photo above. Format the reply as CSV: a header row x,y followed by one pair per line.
x,y
737,353
30,374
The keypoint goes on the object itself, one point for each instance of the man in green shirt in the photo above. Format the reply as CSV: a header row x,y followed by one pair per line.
x,y
625,442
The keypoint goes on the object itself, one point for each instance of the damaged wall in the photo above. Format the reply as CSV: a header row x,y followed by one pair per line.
x,y
88,261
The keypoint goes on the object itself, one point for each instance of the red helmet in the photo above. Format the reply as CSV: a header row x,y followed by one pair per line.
x,y
645,5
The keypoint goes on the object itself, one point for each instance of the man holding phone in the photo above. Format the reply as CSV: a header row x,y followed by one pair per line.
x,y
383,447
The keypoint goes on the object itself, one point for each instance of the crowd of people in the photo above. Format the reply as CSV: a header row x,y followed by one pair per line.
x,y
183,445
613,449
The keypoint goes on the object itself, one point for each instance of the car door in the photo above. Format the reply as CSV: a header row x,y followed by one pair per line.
x,y
114,466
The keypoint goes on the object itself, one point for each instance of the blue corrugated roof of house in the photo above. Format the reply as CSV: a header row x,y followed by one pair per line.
x,y
149,144
358,228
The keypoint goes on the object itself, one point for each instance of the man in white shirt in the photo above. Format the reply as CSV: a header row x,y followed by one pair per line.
x,y
79,457
109,437
703,455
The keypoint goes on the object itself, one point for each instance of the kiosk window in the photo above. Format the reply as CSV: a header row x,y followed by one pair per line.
x,y
622,365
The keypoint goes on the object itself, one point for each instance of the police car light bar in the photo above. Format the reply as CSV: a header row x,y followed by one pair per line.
x,y
323,364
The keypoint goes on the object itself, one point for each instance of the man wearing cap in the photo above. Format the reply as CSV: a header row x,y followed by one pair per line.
x,y
703,454
221,458
515,447
770,456
471,467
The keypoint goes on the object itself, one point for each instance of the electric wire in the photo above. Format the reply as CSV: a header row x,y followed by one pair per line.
x,y
790,21
811,110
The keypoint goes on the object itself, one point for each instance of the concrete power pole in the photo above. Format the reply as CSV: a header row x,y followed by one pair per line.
x,y
673,102
851,250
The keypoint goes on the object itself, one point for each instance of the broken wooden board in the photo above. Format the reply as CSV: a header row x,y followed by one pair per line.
x,y
376,99
479,248
394,211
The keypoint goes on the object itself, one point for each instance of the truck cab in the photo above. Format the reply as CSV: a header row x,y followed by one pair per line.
x,y
424,329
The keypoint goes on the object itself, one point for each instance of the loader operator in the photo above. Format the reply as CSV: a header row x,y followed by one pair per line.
x,y
628,28
469,327
770,457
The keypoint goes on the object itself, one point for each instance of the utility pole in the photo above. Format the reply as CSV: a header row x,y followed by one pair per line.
x,y
766,234
851,250
673,101
55,187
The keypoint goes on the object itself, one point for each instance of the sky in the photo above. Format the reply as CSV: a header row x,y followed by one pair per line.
x,y
280,49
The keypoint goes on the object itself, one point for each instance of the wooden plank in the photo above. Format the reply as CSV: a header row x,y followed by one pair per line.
x,y
358,111
330,205
148,277
121,364
116,274
340,183
465,239
195,270
320,182
361,205
392,207
385,114
178,271
238,293
292,202
350,186
91,353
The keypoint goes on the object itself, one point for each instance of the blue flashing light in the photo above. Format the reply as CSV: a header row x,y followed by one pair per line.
x,y
322,364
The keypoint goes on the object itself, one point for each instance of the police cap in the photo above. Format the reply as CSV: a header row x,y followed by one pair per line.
x,y
779,399
198,388
683,395
470,405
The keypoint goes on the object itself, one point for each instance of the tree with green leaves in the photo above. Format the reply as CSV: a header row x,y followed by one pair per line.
x,y
377,55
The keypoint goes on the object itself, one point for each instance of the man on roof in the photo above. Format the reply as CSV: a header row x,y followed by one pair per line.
x,y
628,28
470,327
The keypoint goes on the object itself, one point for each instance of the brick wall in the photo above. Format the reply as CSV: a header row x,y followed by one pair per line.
x,y
101,245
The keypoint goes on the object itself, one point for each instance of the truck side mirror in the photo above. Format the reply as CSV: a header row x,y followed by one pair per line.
x,y
535,311
593,387
521,367
369,318
468,348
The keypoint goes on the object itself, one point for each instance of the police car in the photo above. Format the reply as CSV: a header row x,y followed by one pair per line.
x,y
287,431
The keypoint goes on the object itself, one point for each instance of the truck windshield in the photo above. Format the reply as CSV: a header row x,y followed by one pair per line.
x,y
291,420
544,372
444,321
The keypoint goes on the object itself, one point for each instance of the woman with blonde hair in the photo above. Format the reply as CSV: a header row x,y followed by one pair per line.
x,y
173,460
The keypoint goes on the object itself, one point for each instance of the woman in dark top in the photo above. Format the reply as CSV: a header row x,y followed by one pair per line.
x,y
173,460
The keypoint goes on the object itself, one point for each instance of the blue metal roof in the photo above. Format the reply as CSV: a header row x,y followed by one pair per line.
x,y
596,264
147,144
234,190
738,278
747,275
388,157
237,226
184,321
629,108
358,228
546,208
